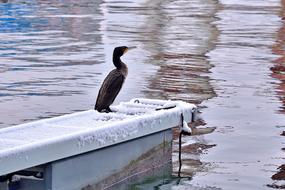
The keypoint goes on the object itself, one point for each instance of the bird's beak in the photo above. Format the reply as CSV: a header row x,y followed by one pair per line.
x,y
132,47
128,48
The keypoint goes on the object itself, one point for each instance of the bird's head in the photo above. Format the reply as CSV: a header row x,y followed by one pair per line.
x,y
121,50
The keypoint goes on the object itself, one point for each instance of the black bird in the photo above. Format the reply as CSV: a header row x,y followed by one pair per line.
x,y
113,82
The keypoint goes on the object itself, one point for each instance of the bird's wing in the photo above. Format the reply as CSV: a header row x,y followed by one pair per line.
x,y
109,89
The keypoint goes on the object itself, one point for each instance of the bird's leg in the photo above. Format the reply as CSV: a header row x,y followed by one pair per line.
x,y
108,110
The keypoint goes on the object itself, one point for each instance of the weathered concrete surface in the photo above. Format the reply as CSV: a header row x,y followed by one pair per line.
x,y
154,163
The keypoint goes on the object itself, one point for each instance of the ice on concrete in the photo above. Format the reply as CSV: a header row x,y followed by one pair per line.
x,y
186,128
68,135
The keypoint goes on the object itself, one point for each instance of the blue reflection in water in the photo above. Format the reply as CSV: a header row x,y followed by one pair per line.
x,y
15,17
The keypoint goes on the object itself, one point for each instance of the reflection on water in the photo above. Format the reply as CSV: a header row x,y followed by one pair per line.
x,y
47,61
55,54
278,68
245,111
278,72
181,42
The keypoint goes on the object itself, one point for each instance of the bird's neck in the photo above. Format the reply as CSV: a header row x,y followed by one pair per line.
x,y
117,62
120,65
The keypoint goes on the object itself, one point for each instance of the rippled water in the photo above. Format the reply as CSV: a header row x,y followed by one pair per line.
x,y
227,55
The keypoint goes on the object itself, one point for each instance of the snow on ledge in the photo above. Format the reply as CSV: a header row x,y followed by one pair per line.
x,y
47,140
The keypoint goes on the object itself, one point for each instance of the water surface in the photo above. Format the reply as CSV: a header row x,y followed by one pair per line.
x,y
227,56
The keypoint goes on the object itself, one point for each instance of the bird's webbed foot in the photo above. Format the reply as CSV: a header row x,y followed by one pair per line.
x,y
107,110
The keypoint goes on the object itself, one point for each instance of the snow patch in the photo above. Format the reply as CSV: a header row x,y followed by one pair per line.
x,y
51,139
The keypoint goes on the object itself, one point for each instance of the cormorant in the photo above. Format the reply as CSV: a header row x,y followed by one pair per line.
x,y
113,82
